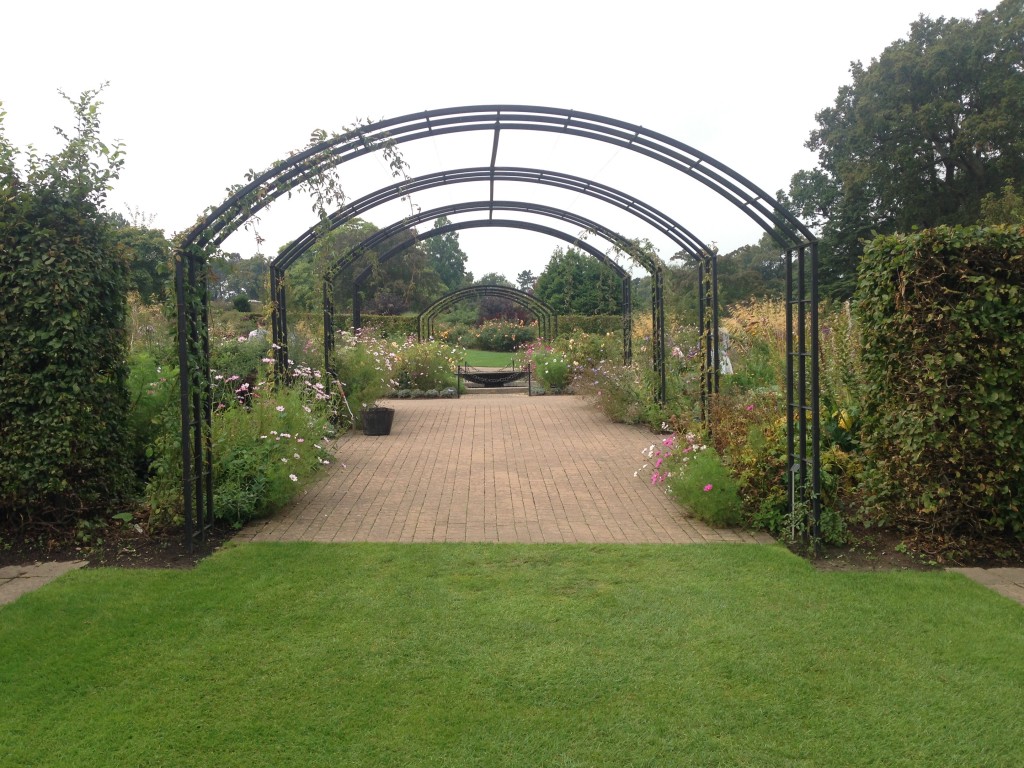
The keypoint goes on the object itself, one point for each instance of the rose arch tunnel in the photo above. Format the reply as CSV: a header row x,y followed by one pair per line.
x,y
314,171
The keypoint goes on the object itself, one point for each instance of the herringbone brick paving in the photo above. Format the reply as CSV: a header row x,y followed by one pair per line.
x,y
491,467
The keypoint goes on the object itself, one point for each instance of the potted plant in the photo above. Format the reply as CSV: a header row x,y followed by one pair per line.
x,y
377,419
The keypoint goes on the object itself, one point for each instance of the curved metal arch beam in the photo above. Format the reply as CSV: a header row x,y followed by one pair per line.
x,y
488,290
589,225
676,232
543,311
304,166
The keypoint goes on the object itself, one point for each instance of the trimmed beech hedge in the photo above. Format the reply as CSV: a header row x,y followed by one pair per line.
x,y
942,315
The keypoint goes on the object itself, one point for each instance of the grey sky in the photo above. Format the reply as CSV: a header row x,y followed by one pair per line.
x,y
200,92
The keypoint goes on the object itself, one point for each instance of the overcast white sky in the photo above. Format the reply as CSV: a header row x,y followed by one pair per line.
x,y
200,92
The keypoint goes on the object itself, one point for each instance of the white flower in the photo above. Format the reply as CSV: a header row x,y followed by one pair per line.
x,y
293,478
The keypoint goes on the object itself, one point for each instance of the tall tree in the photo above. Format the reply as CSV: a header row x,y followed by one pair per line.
x,y
446,257
576,283
919,137
526,280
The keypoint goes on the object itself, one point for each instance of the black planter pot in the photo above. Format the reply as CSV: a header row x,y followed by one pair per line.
x,y
378,420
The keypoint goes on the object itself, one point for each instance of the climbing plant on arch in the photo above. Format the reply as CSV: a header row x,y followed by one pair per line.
x,y
314,169
546,316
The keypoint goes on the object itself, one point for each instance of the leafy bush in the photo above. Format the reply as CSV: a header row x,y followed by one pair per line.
x,y
63,392
364,365
552,369
241,303
569,325
942,313
695,476
151,394
502,336
706,487
382,326
262,453
267,442
426,365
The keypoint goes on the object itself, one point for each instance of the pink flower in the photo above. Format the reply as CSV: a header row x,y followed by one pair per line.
x,y
708,487
750,407
280,409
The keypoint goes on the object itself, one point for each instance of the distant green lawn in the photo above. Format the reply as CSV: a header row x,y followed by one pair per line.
x,y
479,358
509,655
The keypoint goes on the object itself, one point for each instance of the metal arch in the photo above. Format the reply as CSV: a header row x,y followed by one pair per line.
x,y
503,223
586,226
262,189
544,312
288,174
689,243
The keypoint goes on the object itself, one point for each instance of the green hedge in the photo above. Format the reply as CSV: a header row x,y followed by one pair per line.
x,y
389,326
942,313
63,376
589,324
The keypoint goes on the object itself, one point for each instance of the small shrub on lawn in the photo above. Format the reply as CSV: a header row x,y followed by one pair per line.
x,y
705,485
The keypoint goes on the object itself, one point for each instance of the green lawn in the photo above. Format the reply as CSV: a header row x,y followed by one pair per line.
x,y
509,655
479,358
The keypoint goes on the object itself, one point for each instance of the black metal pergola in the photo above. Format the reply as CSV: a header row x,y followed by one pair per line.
x,y
547,318
389,233
690,247
307,167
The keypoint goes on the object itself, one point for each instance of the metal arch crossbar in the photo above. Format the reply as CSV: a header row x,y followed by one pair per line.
x,y
261,189
546,316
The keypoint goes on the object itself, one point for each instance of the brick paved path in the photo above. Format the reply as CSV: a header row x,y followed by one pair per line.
x,y
490,467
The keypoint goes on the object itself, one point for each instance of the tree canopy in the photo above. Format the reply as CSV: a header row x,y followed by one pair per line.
x,y
918,138
574,283
446,257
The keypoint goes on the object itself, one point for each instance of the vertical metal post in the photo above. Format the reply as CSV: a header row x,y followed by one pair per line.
x,y
815,401
275,315
206,510
702,342
282,309
197,417
790,382
717,360
328,293
659,333
184,382
627,320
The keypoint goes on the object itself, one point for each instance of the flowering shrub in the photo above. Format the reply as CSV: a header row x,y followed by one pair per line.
x,y
428,365
552,368
695,476
267,441
364,365
264,451
500,336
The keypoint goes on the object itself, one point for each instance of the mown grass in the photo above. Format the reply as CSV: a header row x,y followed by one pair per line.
x,y
479,358
506,655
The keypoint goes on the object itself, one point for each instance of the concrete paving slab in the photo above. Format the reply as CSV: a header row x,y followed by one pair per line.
x,y
17,580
